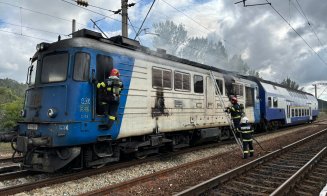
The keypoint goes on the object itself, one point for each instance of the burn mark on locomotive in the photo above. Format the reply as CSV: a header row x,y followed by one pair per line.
x,y
229,80
159,108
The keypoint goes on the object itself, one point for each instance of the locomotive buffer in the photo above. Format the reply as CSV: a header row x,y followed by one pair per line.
x,y
229,120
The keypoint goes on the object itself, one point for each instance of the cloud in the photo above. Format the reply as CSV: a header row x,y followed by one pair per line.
x,y
257,33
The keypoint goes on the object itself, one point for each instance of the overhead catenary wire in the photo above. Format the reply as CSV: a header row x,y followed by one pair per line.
x,y
322,60
42,13
308,22
139,31
29,36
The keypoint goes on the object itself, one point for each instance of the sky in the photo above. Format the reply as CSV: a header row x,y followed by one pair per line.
x,y
275,47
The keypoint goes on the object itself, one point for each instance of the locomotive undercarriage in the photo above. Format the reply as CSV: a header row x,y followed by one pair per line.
x,y
38,157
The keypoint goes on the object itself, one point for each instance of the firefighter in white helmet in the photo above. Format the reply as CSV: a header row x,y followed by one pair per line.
x,y
246,135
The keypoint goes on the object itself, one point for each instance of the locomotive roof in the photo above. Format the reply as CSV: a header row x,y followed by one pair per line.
x,y
135,45
126,43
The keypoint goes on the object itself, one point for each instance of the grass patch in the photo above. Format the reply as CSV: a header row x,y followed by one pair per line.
x,y
5,148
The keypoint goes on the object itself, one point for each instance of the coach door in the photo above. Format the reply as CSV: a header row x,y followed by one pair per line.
x,y
210,97
288,112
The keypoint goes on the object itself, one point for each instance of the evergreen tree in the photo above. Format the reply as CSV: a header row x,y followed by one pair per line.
x,y
290,84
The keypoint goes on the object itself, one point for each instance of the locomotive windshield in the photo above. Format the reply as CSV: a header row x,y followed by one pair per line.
x,y
32,73
54,68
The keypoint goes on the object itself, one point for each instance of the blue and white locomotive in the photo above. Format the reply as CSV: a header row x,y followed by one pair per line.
x,y
167,102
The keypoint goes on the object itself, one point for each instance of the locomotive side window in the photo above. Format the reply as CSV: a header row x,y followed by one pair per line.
x,y
104,66
161,78
182,81
238,89
54,68
198,84
220,85
81,66
293,112
249,95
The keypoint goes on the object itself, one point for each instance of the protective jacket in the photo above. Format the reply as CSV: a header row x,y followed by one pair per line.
x,y
112,86
235,111
246,135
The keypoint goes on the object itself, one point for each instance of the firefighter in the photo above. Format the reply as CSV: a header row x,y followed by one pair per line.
x,y
246,135
236,112
109,94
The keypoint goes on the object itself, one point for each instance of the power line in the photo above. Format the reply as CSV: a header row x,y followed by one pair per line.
x,y
27,27
134,29
297,33
137,34
304,15
38,12
25,35
94,12
198,23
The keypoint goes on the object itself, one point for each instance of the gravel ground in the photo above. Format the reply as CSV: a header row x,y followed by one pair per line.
x,y
180,180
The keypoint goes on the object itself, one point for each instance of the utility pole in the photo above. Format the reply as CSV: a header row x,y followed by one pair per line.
x,y
315,85
124,7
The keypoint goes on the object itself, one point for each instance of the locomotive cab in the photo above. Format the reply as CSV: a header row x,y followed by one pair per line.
x,y
61,114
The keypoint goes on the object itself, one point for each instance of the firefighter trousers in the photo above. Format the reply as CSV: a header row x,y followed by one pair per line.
x,y
247,149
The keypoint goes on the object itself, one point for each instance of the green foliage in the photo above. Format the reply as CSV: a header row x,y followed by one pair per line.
x,y
290,83
11,102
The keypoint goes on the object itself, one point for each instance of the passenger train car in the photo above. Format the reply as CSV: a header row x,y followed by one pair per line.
x,y
167,102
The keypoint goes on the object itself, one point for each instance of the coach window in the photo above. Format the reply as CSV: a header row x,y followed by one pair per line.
x,y
269,102
182,81
293,112
104,66
161,78
220,86
198,84
249,95
275,100
296,112
81,66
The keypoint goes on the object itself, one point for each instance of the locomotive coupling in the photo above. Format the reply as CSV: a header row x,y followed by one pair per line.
x,y
23,143
8,136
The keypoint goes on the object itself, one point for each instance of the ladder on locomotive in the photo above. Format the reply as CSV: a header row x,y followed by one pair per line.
x,y
228,117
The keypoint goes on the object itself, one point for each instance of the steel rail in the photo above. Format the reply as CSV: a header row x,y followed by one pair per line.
x,y
211,183
287,186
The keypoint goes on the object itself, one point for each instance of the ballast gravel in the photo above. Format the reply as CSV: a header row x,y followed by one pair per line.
x,y
109,178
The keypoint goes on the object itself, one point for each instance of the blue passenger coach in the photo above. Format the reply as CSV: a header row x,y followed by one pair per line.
x,y
281,106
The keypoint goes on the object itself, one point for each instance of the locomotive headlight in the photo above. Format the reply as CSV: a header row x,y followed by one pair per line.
x,y
22,113
52,112
42,46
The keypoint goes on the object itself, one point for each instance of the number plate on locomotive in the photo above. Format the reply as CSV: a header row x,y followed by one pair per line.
x,y
32,126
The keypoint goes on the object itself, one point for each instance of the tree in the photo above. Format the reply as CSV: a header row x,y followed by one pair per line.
x,y
10,114
290,84
170,36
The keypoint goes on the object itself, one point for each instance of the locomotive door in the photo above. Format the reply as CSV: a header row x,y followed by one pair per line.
x,y
210,97
288,112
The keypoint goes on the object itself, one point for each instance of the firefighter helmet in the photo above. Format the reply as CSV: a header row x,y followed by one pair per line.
x,y
114,72
234,99
244,120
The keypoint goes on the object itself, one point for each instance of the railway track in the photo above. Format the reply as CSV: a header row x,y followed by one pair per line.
x,y
277,173
86,173
293,160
